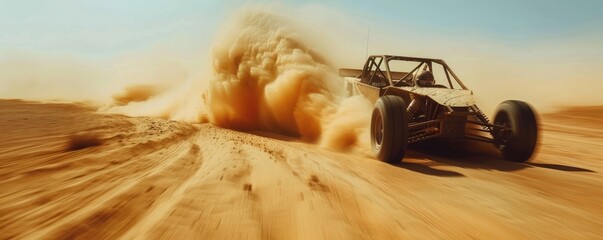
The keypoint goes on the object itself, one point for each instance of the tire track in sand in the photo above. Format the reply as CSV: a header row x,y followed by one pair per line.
x,y
71,198
122,212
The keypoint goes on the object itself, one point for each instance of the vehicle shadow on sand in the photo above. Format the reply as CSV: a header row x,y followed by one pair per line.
x,y
426,168
422,157
559,167
472,155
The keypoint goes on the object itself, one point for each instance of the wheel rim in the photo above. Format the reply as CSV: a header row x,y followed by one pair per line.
x,y
503,136
378,131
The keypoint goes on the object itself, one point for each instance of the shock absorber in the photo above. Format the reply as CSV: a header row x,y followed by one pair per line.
x,y
481,117
414,107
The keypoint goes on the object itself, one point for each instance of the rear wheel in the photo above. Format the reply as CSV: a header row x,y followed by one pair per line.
x,y
517,143
389,129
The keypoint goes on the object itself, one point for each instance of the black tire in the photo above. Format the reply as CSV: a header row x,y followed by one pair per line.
x,y
518,144
389,129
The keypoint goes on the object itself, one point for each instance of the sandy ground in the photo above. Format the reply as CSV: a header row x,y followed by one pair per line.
x,y
153,178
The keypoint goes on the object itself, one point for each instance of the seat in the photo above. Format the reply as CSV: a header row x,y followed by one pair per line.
x,y
379,82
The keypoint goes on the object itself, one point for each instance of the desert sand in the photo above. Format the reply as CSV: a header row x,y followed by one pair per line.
x,y
69,172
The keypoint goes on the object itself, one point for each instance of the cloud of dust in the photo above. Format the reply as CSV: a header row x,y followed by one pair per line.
x,y
158,85
135,93
349,126
181,102
264,76
267,78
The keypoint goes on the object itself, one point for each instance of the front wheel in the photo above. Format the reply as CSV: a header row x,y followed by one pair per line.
x,y
389,129
518,141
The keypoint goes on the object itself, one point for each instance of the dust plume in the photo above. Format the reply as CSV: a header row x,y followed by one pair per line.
x,y
159,86
348,126
264,75
181,102
266,78
135,93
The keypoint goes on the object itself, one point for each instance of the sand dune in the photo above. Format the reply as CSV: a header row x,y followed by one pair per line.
x,y
154,178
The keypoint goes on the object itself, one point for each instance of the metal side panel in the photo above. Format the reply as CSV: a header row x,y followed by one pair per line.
x,y
446,97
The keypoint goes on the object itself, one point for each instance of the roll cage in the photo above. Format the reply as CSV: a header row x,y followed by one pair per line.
x,y
373,72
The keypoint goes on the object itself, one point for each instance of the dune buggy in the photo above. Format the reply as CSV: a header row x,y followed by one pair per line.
x,y
422,98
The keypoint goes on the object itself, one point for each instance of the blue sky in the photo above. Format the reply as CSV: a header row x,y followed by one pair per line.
x,y
97,29
103,28
512,19
494,45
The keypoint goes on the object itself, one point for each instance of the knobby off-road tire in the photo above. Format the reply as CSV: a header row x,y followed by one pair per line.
x,y
519,144
389,129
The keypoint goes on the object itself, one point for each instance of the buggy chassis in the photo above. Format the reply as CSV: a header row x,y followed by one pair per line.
x,y
446,110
